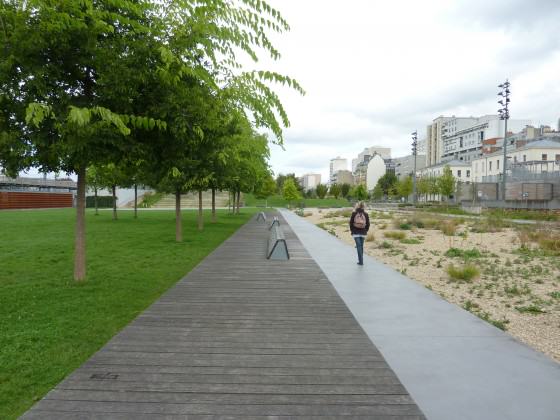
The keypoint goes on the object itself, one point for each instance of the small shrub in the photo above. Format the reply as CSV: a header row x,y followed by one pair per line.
x,y
466,273
370,237
448,228
554,295
471,306
382,226
463,253
395,235
386,245
531,309
515,290
405,226
410,241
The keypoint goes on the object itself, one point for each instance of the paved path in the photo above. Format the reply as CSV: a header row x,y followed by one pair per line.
x,y
240,337
455,366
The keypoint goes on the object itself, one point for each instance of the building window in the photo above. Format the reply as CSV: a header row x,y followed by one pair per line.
x,y
498,165
557,158
544,156
524,158
489,166
515,159
459,173
482,135
468,173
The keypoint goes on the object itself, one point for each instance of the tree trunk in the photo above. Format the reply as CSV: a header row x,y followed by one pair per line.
x,y
95,199
238,201
200,217
80,242
178,222
213,205
136,201
114,187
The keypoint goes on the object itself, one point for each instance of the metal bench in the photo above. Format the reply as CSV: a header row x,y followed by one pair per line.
x,y
275,222
277,246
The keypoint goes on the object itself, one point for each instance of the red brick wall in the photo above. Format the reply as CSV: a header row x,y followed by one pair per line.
x,y
34,200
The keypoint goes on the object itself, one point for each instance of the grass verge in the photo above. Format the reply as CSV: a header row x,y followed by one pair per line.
x,y
49,325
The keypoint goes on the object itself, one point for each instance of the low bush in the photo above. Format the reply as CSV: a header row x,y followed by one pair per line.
x,y
531,309
395,235
370,237
410,241
385,245
466,273
103,201
463,253
448,227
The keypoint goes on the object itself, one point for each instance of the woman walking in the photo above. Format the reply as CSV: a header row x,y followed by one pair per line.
x,y
359,226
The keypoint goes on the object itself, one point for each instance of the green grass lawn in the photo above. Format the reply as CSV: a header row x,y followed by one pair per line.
x,y
278,201
49,325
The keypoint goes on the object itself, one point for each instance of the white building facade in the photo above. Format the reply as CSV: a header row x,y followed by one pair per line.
x,y
368,152
376,168
535,157
461,138
337,164
461,170
310,181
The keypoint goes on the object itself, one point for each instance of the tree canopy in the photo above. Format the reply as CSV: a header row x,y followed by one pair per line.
x,y
89,82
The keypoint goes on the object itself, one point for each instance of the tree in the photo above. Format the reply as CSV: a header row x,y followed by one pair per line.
x,y
265,188
290,192
345,189
433,186
446,183
110,176
93,180
321,191
404,187
81,81
377,193
387,183
423,187
335,190
359,192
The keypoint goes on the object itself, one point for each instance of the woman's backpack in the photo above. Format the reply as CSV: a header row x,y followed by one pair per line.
x,y
360,220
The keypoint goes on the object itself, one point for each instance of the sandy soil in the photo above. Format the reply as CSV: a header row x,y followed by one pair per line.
x,y
518,291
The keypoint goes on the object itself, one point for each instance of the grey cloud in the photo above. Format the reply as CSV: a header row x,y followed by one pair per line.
x,y
508,14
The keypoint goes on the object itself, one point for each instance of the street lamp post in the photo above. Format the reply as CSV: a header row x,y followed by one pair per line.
x,y
414,153
504,115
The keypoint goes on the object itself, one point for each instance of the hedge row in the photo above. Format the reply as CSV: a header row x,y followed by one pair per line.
x,y
103,201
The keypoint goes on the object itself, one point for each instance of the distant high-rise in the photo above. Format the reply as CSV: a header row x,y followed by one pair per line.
x,y
460,138
337,164
310,181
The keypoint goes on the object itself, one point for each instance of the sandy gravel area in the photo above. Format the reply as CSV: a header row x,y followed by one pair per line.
x,y
517,289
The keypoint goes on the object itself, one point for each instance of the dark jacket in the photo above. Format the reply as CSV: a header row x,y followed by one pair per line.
x,y
353,229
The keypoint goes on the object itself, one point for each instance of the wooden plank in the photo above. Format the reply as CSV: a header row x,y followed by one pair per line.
x,y
240,337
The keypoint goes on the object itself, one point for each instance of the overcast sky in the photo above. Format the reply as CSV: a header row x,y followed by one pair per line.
x,y
376,70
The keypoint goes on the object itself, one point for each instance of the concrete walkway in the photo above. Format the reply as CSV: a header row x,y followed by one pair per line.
x,y
455,366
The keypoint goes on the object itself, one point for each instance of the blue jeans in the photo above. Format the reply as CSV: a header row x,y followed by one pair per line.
x,y
360,248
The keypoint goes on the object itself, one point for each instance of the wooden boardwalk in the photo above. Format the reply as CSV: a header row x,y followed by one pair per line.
x,y
240,337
